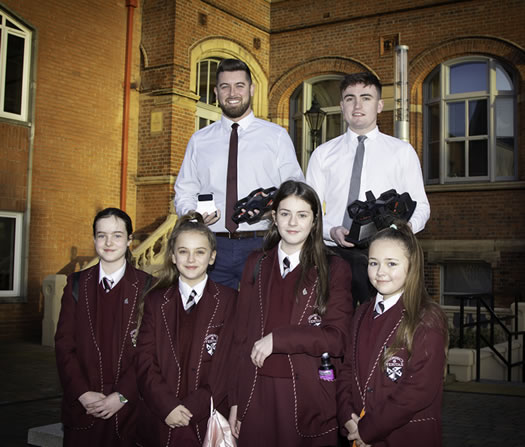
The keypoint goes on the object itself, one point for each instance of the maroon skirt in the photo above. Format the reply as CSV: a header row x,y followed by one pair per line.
x,y
270,419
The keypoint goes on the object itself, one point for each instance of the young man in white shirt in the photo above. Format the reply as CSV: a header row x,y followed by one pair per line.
x,y
388,163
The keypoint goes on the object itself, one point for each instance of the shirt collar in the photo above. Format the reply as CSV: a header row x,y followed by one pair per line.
x,y
390,302
370,135
116,276
294,258
186,289
243,124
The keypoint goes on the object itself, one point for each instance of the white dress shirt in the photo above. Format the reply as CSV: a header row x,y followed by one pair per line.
x,y
185,291
114,277
266,158
388,303
389,163
293,258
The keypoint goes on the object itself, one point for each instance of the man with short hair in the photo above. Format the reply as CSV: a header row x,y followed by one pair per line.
x,y
265,157
385,163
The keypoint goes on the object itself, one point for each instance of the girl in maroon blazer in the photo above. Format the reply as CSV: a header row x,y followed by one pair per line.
x,y
389,389
182,343
95,340
294,305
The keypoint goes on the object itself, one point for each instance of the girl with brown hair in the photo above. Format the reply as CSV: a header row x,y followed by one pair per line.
x,y
294,305
390,386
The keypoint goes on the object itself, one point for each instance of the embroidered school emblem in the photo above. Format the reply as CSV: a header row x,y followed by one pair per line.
x,y
314,320
394,368
210,342
133,335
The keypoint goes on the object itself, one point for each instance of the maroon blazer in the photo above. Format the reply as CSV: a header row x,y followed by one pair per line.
x,y
77,348
304,340
405,411
158,368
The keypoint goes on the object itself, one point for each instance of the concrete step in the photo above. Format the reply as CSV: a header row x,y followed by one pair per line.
x,y
50,435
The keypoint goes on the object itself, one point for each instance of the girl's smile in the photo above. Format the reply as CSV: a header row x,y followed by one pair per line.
x,y
192,256
387,267
294,220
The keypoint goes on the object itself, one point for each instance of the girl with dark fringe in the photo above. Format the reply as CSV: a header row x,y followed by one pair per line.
x,y
294,305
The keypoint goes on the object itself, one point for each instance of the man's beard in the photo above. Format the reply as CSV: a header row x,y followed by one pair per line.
x,y
235,111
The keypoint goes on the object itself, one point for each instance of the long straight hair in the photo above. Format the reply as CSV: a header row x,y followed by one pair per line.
x,y
313,253
417,302
169,273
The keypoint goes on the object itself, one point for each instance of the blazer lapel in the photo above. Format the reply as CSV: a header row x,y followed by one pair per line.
x,y
264,279
169,317
204,325
88,290
129,301
304,302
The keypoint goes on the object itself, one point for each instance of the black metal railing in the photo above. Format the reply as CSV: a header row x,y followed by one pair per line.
x,y
492,322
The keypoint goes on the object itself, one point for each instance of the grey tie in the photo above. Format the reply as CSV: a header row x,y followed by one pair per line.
x,y
355,180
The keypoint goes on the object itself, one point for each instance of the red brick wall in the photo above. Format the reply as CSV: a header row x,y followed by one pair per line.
x,y
78,118
79,61
310,38
170,30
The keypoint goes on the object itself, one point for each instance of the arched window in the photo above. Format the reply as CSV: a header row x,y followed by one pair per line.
x,y
470,122
15,57
208,109
325,89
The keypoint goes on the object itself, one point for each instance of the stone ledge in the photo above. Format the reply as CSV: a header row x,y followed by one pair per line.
x,y
46,436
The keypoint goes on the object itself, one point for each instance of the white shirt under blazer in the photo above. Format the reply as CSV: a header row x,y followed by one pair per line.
x,y
389,163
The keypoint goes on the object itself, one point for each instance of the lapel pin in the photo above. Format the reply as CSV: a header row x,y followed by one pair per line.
x,y
126,301
305,291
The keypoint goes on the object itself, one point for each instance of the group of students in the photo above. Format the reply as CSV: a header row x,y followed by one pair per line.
x,y
140,358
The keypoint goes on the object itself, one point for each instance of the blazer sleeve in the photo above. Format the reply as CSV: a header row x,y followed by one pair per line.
x,y
345,378
331,334
72,375
417,389
156,392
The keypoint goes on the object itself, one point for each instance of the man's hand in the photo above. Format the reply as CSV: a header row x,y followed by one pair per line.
x,y
179,417
338,236
235,424
261,349
210,219
106,407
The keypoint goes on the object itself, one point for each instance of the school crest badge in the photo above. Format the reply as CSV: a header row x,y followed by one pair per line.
x,y
394,368
210,342
314,320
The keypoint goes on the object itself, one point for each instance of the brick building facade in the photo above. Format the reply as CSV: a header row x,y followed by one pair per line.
x,y
61,162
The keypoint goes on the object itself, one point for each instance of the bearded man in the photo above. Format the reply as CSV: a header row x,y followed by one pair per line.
x,y
229,159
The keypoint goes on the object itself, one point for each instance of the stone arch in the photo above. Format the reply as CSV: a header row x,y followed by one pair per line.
x,y
284,86
422,65
226,48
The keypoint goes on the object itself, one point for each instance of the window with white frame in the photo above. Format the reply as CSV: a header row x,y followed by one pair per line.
x,y
326,91
15,57
10,253
208,110
470,129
